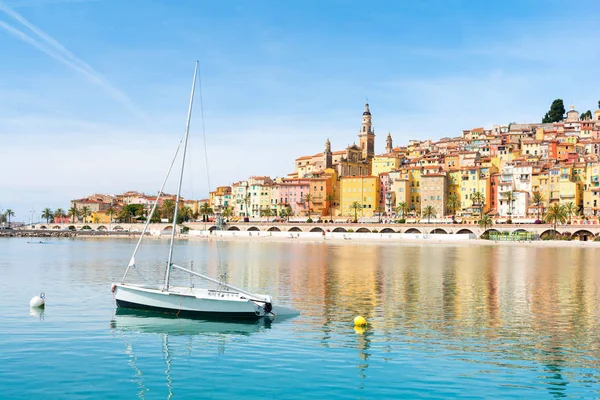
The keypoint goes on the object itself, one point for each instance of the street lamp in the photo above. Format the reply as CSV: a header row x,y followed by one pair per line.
x,y
31,220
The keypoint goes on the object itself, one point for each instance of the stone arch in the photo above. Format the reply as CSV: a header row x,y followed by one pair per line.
x,y
517,231
465,231
212,228
233,228
548,233
43,227
56,227
295,229
86,228
583,234
316,229
101,228
363,230
339,230
387,230
253,229
166,228
71,227
274,229
438,231
413,230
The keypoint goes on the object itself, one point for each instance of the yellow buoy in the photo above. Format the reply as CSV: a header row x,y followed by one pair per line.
x,y
360,321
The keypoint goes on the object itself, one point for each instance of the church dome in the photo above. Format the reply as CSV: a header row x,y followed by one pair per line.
x,y
367,112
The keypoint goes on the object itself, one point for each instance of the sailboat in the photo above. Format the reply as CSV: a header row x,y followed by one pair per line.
x,y
221,301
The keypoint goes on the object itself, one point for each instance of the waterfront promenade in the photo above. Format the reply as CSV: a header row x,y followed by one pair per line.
x,y
579,231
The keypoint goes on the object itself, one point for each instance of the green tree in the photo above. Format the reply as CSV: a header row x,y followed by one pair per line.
x,y
85,212
73,213
401,208
428,212
329,198
286,212
227,212
571,209
186,213
167,209
205,210
586,115
478,201
267,212
485,222
555,214
538,199
59,213
9,213
599,104
556,112
308,198
356,206
453,203
509,196
47,214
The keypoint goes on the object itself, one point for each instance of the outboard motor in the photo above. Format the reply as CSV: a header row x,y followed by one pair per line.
x,y
268,307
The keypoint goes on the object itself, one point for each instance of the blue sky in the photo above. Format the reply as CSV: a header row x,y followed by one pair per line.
x,y
93,94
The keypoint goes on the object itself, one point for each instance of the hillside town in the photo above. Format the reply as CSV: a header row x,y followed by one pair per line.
x,y
508,172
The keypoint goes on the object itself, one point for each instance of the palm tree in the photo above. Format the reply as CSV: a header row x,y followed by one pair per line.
x,y
168,209
556,213
186,213
111,212
510,197
308,198
356,206
429,212
329,199
85,212
401,208
286,212
379,210
478,200
267,212
538,199
205,211
571,209
227,212
485,222
9,213
59,213
247,203
73,213
47,214
453,203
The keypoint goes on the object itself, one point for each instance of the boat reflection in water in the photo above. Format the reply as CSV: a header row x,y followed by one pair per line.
x,y
152,322
179,338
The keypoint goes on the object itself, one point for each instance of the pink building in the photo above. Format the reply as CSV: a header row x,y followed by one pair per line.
x,y
292,192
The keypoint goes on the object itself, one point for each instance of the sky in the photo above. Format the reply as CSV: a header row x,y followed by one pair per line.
x,y
94,93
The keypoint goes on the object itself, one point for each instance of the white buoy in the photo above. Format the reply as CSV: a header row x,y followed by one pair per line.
x,y
38,301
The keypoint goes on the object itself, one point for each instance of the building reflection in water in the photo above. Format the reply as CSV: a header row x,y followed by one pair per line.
x,y
517,302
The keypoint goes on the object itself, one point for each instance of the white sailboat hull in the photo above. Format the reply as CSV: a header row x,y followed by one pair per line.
x,y
185,301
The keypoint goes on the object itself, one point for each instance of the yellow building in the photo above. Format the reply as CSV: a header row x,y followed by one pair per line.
x,y
384,163
473,180
361,189
591,192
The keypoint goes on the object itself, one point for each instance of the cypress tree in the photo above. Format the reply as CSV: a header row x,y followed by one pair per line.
x,y
556,113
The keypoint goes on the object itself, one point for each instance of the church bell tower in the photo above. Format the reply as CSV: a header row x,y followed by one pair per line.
x,y
367,135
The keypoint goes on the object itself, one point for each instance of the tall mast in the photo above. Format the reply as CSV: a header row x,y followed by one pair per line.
x,y
185,141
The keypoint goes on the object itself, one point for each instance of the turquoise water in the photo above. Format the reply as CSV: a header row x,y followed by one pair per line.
x,y
446,321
